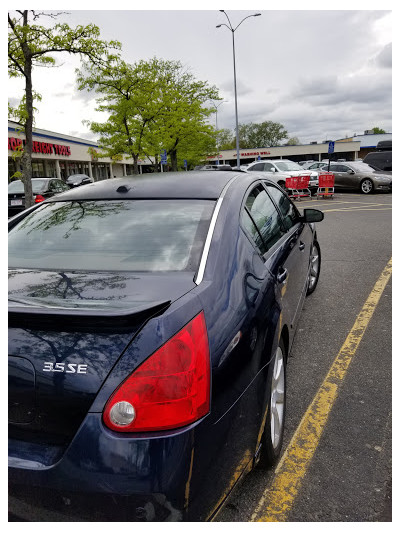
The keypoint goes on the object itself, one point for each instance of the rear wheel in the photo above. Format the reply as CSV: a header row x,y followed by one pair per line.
x,y
272,438
367,187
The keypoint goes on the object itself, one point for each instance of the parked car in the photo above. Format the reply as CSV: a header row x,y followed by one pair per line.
x,y
305,164
379,160
214,167
315,165
42,188
279,169
149,329
359,175
75,180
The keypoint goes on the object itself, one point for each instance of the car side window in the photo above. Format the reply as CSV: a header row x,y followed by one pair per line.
x,y
257,167
268,167
288,211
266,218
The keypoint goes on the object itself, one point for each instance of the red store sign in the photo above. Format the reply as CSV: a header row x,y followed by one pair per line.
x,y
242,154
14,144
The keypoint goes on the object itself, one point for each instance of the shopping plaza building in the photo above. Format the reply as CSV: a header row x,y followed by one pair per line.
x,y
59,155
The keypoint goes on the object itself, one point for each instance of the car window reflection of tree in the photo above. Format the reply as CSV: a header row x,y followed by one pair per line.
x,y
77,285
68,214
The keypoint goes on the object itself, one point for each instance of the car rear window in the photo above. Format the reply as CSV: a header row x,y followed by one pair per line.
x,y
123,235
17,187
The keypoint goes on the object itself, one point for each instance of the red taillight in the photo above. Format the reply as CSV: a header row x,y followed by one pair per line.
x,y
39,198
170,389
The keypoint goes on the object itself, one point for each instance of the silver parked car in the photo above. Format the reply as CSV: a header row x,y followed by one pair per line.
x,y
315,165
361,176
279,169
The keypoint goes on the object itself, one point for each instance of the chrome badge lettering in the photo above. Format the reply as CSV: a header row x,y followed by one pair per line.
x,y
67,368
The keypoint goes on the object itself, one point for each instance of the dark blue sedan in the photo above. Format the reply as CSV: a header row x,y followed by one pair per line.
x,y
150,320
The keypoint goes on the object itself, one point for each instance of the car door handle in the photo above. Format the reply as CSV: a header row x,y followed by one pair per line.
x,y
302,246
282,275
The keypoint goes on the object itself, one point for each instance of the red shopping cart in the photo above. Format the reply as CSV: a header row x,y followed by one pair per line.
x,y
326,184
297,186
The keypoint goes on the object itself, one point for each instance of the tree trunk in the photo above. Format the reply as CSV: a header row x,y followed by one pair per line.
x,y
174,160
26,159
135,164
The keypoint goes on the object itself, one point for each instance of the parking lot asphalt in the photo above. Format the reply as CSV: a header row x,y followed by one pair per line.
x,y
348,476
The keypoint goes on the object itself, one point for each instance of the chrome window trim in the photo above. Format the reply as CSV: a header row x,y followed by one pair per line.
x,y
203,261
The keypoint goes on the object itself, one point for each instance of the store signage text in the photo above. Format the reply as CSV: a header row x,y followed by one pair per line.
x,y
15,144
242,154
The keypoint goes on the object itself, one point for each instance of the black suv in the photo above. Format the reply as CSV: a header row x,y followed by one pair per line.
x,y
382,158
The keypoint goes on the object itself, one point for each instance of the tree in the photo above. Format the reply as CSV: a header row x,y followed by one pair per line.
x,y
261,135
378,130
152,105
183,115
293,141
31,45
225,139
131,96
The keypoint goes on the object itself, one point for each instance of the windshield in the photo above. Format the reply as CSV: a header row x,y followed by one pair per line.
x,y
16,187
123,235
288,165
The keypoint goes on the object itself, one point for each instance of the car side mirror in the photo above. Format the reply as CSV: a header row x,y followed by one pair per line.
x,y
350,172
312,215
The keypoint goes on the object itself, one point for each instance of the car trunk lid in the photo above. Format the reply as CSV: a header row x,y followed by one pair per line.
x,y
66,333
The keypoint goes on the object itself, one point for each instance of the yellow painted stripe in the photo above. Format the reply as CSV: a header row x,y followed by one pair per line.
x,y
278,499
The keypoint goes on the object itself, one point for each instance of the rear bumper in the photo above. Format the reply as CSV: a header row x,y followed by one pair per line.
x,y
104,477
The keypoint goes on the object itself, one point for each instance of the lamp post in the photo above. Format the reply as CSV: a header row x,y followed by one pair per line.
x,y
216,112
234,75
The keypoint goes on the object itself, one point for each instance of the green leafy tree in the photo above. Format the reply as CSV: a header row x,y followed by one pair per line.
x,y
293,141
226,139
183,115
132,98
31,45
152,105
378,130
261,135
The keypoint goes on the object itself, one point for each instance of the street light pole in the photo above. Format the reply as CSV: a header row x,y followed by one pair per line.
x,y
216,113
234,76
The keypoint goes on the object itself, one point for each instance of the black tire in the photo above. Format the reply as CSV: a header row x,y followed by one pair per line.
x,y
367,186
271,446
315,268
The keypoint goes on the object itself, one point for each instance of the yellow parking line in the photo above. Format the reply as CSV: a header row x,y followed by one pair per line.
x,y
278,499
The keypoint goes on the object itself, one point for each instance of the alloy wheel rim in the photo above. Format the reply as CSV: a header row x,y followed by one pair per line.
x,y
277,399
314,269
366,186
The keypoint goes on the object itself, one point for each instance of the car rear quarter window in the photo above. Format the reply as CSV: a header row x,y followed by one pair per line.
x,y
264,215
113,235
288,211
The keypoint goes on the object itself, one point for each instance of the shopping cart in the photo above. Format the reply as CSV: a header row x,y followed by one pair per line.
x,y
297,186
326,184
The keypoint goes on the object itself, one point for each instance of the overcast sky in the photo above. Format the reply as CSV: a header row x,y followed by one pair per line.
x,y
322,74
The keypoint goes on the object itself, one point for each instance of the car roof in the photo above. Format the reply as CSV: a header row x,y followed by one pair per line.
x,y
195,184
